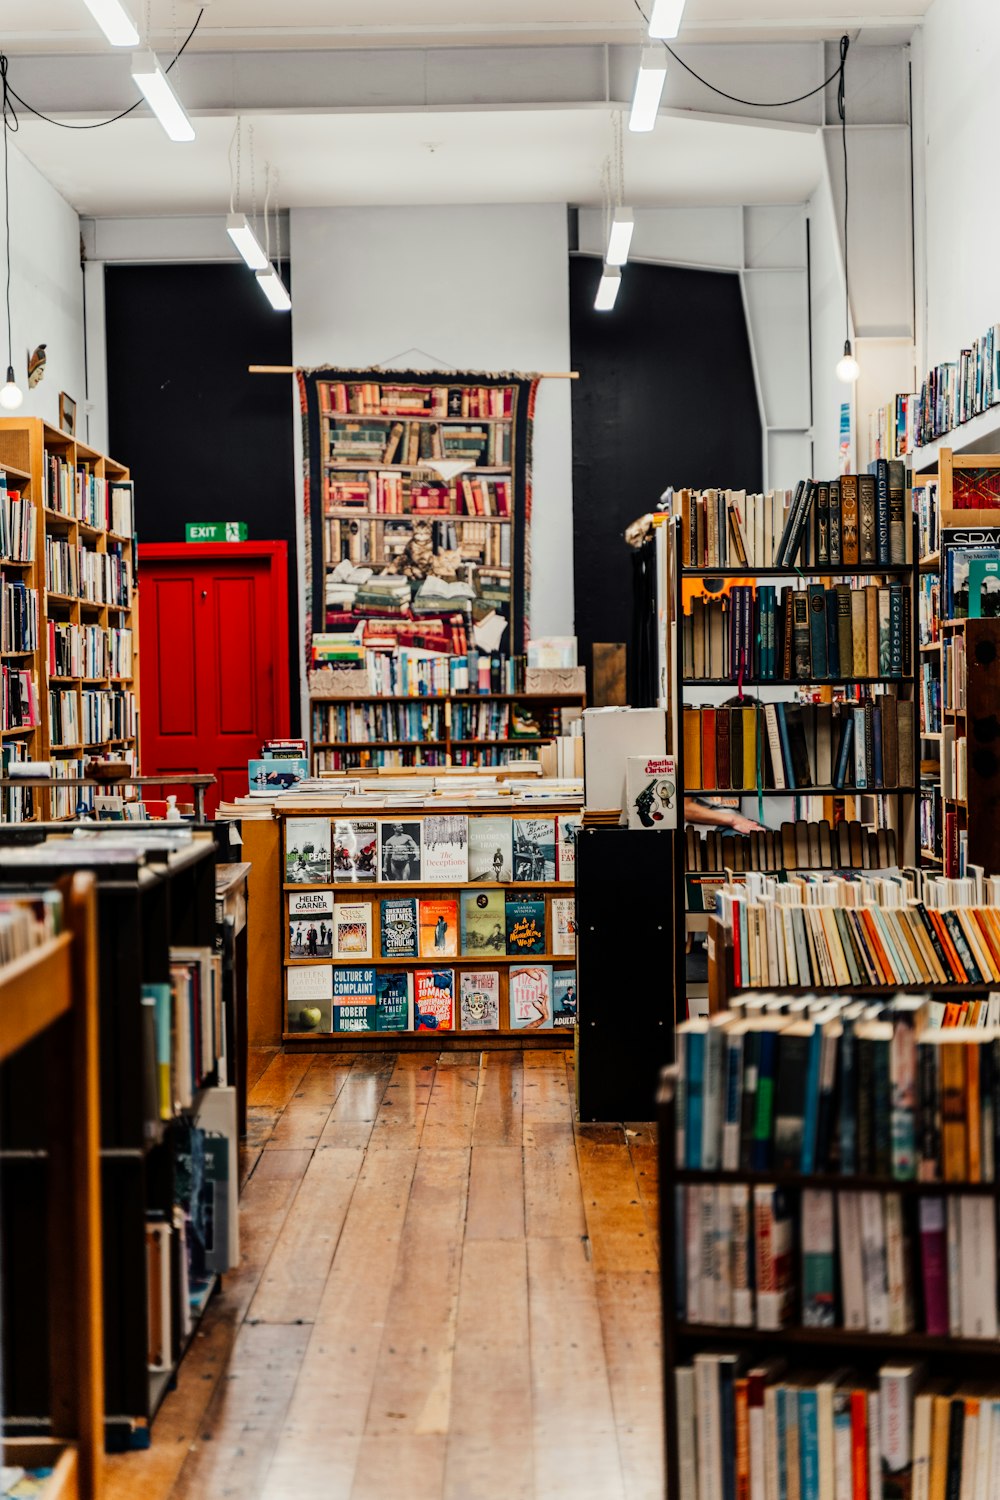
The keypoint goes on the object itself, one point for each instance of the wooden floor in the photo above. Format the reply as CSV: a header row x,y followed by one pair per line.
x,y
446,1290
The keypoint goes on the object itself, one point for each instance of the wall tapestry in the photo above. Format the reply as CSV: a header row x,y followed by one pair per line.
x,y
418,504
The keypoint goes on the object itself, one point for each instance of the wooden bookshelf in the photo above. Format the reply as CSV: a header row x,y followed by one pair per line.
x,y
373,892
27,444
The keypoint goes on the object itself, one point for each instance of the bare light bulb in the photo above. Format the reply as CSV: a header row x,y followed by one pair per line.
x,y
848,368
11,394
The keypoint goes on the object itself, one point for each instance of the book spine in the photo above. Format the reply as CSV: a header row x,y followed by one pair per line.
x,y
818,1289
934,1265
835,525
873,1256
882,547
741,1228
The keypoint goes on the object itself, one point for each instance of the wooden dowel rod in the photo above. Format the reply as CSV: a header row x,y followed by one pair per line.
x,y
290,370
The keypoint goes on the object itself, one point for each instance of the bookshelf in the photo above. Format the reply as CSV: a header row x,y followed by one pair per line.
x,y
83,657
48,1015
463,897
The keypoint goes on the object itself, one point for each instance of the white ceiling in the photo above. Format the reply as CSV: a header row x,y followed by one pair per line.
x,y
66,25
488,156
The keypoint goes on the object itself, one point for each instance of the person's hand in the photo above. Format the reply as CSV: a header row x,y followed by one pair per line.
x,y
740,824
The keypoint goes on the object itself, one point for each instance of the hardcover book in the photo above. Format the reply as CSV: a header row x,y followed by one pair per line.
x,y
352,922
480,1000
393,1000
564,997
531,997
439,927
354,849
446,848
354,999
483,923
310,924
534,849
307,851
433,999
525,924
567,832
399,849
491,856
310,998
564,926
399,927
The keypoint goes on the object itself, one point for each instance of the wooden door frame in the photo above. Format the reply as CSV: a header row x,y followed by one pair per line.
x,y
276,555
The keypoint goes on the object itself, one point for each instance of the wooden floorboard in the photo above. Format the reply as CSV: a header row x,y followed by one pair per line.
x,y
448,1290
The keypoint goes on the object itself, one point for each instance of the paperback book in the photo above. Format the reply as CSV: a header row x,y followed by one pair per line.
x,y
399,927
480,1000
446,848
310,924
433,999
439,927
534,849
393,1000
525,923
531,997
491,850
564,926
307,851
564,997
354,999
400,851
353,929
354,849
483,919
567,832
272,775
310,997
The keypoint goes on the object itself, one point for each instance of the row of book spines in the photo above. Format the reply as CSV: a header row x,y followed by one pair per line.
x,y
799,845
858,519
370,398
877,945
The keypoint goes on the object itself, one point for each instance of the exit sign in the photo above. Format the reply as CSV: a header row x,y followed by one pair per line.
x,y
215,531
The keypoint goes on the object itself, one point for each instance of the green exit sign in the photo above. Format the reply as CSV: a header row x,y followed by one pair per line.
x,y
215,531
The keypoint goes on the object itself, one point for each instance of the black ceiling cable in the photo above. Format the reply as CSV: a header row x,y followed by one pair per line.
x,y
845,42
10,117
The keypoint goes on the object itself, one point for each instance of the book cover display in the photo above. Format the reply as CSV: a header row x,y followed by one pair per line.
x,y
393,1000
651,792
491,850
400,849
564,926
534,849
270,775
355,848
433,999
310,997
446,848
439,927
564,997
355,1004
399,927
353,929
310,924
568,827
525,923
307,851
483,923
530,997
480,1000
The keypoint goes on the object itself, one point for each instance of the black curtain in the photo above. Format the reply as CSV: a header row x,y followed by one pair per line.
x,y
642,652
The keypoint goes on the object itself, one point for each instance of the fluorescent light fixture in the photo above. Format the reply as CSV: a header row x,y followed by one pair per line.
x,y
115,21
665,18
274,289
160,97
648,88
239,231
620,237
607,289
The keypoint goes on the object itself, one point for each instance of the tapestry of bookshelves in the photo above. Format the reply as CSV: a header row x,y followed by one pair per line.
x,y
416,928
467,729
69,623
418,499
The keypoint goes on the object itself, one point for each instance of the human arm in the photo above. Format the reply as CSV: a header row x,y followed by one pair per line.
x,y
721,817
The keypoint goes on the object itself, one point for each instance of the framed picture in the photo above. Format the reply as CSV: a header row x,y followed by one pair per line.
x,y
67,414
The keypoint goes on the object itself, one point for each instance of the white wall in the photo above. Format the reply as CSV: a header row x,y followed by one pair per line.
x,y
828,315
46,293
477,288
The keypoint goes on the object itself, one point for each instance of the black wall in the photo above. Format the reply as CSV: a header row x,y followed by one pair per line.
x,y
205,440
666,396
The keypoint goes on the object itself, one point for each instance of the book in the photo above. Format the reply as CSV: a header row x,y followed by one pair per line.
x,y
564,1004
525,922
530,997
355,848
818,1261
568,827
433,999
276,775
400,849
310,997
483,923
307,851
438,927
563,926
393,1000
446,848
651,784
479,1000
354,999
352,922
984,589
310,924
399,927
534,846
491,856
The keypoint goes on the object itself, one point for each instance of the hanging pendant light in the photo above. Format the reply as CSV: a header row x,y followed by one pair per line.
x,y
11,394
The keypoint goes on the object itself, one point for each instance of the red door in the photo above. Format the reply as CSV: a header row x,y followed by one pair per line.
x,y
213,658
